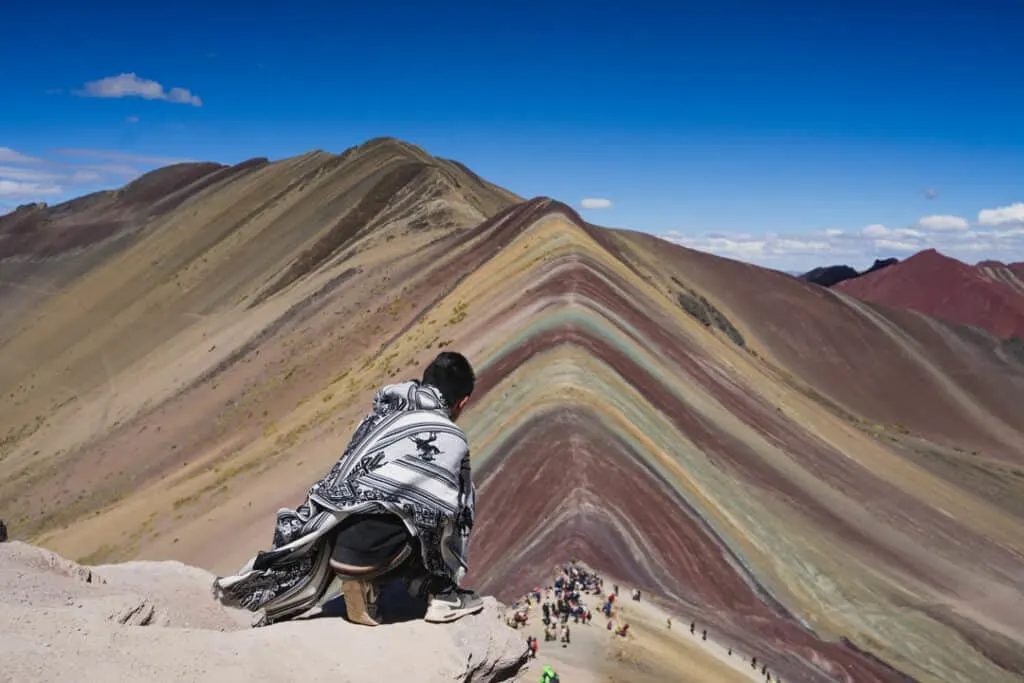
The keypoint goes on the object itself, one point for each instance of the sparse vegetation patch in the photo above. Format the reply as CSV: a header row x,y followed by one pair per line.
x,y
458,313
705,312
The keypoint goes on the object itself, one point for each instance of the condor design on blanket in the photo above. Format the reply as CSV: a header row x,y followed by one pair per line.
x,y
407,457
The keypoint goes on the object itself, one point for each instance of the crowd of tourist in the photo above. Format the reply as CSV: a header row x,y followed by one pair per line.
x,y
566,599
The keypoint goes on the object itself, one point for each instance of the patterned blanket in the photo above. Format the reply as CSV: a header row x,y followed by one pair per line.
x,y
407,458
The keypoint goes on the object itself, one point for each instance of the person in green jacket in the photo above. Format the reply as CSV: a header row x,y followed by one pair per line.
x,y
548,675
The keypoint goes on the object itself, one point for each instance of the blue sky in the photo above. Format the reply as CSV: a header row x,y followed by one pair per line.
x,y
777,135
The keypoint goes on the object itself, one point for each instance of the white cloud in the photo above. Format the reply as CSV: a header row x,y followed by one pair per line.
x,y
747,247
595,203
130,85
796,246
942,223
998,235
916,234
123,170
112,155
132,119
83,177
183,96
18,190
897,245
16,173
1014,213
9,156
26,179
739,247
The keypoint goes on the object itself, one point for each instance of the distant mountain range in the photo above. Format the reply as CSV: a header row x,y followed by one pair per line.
x,y
989,295
830,276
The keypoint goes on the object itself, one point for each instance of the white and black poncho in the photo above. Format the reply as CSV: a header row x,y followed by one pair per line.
x,y
406,457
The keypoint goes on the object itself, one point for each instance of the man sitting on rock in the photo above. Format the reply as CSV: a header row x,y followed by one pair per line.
x,y
398,504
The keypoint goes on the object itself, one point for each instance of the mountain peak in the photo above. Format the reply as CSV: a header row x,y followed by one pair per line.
x,y
388,145
830,276
988,295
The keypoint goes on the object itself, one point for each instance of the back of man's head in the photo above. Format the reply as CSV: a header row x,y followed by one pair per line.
x,y
453,376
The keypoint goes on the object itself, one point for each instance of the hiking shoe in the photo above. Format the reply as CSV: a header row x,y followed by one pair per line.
x,y
451,604
361,602
261,621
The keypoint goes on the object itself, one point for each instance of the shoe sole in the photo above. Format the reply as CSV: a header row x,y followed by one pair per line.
x,y
443,615
358,611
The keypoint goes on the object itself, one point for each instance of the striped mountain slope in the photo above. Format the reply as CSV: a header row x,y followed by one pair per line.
x,y
833,484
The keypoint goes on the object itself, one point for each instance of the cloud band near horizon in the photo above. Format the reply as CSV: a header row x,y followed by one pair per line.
x,y
995,231
25,178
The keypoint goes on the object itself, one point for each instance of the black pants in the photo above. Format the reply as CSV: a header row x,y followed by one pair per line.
x,y
370,540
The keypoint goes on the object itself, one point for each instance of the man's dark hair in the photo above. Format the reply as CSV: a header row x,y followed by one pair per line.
x,y
453,376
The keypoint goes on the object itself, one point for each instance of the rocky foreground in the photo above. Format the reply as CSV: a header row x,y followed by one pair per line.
x,y
156,621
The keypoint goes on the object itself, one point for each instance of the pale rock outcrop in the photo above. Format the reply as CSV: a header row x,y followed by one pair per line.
x,y
156,621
